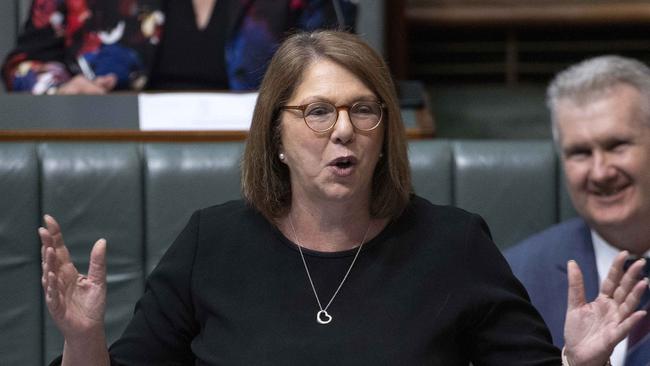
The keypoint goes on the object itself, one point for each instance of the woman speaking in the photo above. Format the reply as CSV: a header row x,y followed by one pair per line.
x,y
330,259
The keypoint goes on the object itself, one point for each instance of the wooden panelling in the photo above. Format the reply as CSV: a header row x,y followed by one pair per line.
x,y
511,42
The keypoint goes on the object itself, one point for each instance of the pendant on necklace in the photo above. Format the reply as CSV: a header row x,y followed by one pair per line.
x,y
322,317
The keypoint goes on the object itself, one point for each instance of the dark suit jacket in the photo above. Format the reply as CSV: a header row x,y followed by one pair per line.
x,y
540,264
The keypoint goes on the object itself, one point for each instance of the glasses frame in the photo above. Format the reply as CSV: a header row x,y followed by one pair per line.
x,y
302,108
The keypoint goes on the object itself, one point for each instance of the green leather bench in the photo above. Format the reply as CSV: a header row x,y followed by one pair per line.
x,y
139,196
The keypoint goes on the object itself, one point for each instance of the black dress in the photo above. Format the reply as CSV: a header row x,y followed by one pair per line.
x,y
431,289
190,58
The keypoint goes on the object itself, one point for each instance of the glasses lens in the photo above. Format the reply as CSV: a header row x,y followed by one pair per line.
x,y
320,116
365,115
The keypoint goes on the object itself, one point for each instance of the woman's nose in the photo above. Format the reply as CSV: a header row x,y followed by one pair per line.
x,y
343,129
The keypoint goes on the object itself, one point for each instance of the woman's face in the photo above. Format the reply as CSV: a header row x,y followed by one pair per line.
x,y
337,165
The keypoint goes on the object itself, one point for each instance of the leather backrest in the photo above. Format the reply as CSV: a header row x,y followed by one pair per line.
x,y
512,184
20,262
181,178
432,170
95,191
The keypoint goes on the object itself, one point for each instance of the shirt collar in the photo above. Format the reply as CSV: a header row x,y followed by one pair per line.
x,y
605,254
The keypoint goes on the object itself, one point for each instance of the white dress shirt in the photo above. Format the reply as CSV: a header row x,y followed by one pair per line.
x,y
605,254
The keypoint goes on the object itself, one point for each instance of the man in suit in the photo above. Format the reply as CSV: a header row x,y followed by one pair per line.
x,y
600,111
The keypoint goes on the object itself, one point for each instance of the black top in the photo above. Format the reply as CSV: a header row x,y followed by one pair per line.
x,y
190,58
430,289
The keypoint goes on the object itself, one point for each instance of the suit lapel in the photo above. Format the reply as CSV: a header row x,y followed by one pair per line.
x,y
582,251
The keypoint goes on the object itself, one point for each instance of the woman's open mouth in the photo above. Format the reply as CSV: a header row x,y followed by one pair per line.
x,y
343,166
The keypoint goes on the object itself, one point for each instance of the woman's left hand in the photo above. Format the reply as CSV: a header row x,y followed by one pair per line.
x,y
592,330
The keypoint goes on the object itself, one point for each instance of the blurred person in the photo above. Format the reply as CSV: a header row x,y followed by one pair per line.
x,y
600,112
329,259
96,46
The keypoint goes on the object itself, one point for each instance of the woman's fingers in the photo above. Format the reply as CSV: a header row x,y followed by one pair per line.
x,y
48,265
51,237
51,281
106,82
576,295
53,255
80,85
52,297
44,267
54,229
97,265
46,241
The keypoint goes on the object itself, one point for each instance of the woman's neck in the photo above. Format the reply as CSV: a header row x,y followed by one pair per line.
x,y
330,228
203,12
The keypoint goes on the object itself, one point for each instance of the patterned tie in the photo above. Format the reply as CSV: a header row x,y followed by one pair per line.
x,y
638,341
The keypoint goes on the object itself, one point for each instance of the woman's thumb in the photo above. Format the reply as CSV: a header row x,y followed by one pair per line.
x,y
97,266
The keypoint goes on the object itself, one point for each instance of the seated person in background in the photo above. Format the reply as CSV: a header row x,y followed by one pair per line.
x,y
95,46
329,259
601,124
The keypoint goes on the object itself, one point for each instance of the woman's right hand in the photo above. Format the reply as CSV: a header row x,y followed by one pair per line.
x,y
80,85
75,302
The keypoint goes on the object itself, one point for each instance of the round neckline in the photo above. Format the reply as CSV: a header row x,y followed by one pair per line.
x,y
338,254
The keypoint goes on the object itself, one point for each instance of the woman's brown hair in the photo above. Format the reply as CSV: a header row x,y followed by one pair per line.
x,y
266,183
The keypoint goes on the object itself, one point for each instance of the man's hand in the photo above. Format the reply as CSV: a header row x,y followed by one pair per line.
x,y
592,330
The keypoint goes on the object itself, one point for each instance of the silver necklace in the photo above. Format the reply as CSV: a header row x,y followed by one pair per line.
x,y
322,316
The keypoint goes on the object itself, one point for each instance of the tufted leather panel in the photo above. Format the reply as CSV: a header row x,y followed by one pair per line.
x,y
512,185
94,191
181,178
20,263
431,169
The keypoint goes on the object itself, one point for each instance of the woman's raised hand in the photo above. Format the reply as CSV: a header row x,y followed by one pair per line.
x,y
592,330
76,302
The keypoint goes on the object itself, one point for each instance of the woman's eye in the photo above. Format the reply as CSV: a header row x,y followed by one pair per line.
x,y
366,108
317,111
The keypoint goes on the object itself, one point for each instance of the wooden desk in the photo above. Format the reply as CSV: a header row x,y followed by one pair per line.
x,y
115,118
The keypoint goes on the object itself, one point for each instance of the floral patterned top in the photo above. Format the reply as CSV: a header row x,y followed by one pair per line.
x,y
63,38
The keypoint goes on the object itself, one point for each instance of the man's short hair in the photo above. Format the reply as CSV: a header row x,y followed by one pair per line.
x,y
591,78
